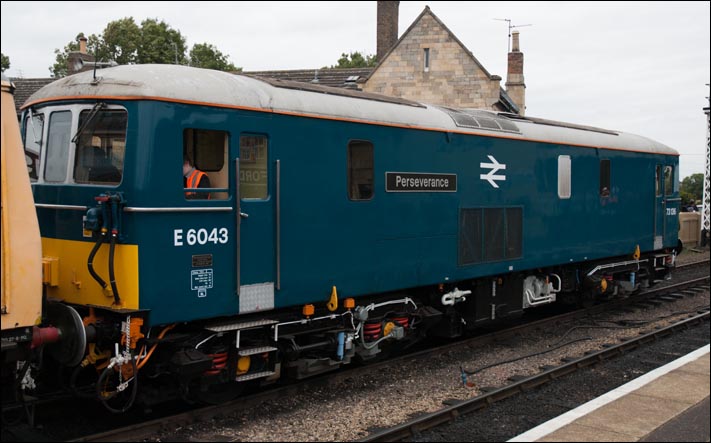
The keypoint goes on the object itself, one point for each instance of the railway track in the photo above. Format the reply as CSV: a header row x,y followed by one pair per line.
x,y
168,424
449,413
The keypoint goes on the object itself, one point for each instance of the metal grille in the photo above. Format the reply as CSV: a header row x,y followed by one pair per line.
x,y
480,119
494,234
514,232
490,234
469,236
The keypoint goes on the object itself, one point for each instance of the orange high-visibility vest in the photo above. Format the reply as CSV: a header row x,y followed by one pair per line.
x,y
193,180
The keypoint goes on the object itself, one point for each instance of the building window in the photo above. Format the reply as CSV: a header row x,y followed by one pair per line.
x,y
427,59
360,170
564,176
604,178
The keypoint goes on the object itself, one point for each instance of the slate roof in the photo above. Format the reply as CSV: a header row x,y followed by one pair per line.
x,y
25,87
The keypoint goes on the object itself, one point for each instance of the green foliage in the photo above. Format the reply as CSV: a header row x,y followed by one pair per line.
x,y
154,41
692,186
120,42
205,55
356,60
159,43
5,62
59,68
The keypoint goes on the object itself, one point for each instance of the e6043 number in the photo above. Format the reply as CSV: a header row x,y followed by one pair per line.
x,y
200,236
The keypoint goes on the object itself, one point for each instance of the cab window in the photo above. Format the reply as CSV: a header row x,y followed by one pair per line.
x,y
668,180
207,151
253,171
34,127
58,136
360,170
101,147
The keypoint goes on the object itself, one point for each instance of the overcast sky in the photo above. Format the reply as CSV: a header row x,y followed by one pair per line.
x,y
638,67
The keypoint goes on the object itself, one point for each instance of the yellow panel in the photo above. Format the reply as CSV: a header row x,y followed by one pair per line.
x,y
76,285
20,241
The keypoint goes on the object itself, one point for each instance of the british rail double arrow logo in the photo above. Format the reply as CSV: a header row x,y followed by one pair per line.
x,y
495,167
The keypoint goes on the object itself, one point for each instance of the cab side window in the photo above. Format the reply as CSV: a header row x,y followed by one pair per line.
x,y
360,170
253,170
207,151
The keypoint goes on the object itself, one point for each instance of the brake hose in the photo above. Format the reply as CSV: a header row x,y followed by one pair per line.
x,y
90,261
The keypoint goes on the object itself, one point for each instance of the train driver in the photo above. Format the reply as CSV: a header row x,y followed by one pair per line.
x,y
194,178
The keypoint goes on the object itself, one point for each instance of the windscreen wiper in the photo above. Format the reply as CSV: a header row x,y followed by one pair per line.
x,y
95,110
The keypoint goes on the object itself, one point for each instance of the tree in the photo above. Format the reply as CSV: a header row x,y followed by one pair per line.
x,y
5,62
154,41
60,68
693,185
159,43
356,60
205,55
120,42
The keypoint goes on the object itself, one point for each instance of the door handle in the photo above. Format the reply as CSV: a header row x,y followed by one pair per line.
x,y
243,215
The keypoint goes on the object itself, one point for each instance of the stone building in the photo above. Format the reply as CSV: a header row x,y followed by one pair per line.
x,y
430,64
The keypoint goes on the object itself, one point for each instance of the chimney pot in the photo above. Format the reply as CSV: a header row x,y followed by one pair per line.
x,y
514,44
82,44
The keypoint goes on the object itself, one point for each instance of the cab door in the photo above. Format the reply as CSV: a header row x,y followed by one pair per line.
x,y
256,224
659,207
667,201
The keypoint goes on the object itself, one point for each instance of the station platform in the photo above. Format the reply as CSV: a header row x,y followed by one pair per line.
x,y
670,403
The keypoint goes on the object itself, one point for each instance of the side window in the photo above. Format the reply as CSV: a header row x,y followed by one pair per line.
x,y
604,178
205,164
657,181
668,180
253,167
564,184
101,147
34,127
360,170
58,136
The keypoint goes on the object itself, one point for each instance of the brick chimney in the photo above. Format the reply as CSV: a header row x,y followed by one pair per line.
x,y
387,27
515,84
76,60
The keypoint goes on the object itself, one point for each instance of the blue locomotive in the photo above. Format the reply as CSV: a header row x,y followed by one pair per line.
x,y
338,225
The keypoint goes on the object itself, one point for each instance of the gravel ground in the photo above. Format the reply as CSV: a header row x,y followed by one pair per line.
x,y
511,417
348,410
691,254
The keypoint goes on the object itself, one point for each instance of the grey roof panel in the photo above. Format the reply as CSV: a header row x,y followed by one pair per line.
x,y
194,85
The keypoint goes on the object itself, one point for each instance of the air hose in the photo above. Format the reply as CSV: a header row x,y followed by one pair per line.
x,y
114,235
90,261
104,395
112,276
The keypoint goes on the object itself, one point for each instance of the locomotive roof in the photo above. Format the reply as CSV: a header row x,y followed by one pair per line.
x,y
215,88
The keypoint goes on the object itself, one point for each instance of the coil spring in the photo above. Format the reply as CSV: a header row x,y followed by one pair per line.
x,y
219,362
402,321
372,330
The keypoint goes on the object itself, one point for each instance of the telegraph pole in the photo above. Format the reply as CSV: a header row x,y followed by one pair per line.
x,y
706,208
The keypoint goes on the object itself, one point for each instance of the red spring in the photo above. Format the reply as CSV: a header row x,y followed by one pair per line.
x,y
402,321
372,331
219,362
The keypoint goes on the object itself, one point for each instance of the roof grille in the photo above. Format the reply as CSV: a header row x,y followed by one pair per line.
x,y
470,118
